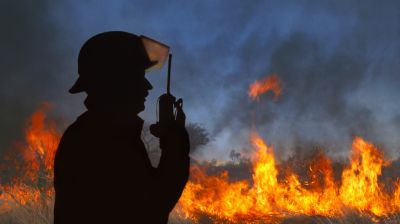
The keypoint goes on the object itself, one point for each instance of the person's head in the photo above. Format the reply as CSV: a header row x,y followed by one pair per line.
x,y
111,69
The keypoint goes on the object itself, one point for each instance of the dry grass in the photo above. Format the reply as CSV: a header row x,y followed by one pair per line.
x,y
42,213
38,212
350,218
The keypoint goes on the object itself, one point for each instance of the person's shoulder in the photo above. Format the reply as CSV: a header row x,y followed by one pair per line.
x,y
72,128
74,131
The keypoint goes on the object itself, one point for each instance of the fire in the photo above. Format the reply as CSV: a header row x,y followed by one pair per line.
x,y
41,143
360,188
269,198
274,192
396,200
31,188
271,82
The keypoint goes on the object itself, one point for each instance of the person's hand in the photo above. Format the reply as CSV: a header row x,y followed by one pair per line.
x,y
176,139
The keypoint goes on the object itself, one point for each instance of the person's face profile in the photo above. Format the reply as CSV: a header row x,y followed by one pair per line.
x,y
133,91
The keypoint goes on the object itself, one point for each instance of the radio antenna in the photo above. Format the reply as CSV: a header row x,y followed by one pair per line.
x,y
169,73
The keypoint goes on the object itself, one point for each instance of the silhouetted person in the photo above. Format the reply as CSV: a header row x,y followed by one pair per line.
x,y
102,170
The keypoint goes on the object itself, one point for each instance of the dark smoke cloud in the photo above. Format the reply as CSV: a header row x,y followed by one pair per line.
x,y
339,63
29,61
334,89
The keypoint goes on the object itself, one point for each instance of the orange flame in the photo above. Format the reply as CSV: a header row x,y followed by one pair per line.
x,y
271,195
271,82
268,197
33,184
360,188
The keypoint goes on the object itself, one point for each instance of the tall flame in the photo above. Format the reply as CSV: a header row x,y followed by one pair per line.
x,y
32,186
360,188
268,198
271,82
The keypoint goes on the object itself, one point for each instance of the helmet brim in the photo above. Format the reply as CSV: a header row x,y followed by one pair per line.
x,y
145,53
80,85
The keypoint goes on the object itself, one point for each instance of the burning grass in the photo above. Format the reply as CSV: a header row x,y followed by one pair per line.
x,y
27,194
322,198
273,192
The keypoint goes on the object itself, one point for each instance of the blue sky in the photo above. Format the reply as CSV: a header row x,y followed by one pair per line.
x,y
339,63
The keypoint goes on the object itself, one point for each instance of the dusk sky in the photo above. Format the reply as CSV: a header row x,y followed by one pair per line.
x,y
339,62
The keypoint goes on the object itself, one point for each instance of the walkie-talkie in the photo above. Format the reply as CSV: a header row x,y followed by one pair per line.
x,y
169,110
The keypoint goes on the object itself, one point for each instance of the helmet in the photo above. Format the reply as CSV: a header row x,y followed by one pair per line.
x,y
118,53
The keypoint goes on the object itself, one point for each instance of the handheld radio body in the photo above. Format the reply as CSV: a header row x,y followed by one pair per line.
x,y
169,109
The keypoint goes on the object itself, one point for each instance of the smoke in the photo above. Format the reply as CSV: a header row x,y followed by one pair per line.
x,y
29,62
338,61
334,88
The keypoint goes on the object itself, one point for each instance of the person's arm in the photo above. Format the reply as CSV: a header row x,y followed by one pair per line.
x,y
172,172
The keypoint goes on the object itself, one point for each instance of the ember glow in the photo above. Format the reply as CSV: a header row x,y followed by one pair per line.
x,y
274,194
271,82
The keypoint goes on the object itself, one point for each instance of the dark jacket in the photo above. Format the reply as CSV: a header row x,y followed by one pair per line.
x,y
103,173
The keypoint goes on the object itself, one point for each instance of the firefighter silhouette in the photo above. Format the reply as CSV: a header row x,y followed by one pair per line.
x,y
102,171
